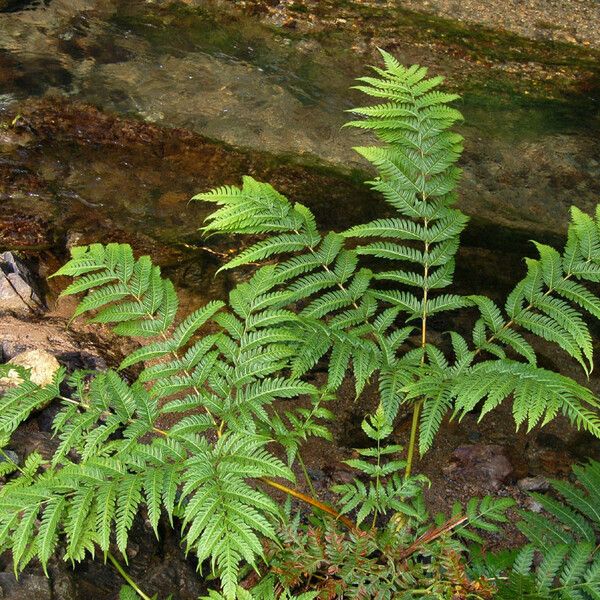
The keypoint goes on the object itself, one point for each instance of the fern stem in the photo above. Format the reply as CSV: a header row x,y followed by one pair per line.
x,y
413,438
414,427
377,483
307,478
313,502
433,534
126,577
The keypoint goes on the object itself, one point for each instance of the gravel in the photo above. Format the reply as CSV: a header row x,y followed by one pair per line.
x,y
572,21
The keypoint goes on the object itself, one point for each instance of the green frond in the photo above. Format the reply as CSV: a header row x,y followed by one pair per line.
x,y
78,524
485,515
587,233
401,229
572,522
127,293
401,300
49,529
550,566
491,314
580,295
223,515
434,409
539,393
105,515
551,330
254,208
128,593
571,519
517,342
129,497
184,331
17,403
392,381
280,244
447,302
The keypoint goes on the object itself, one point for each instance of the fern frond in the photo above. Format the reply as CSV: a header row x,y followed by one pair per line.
x,y
19,402
224,515
141,304
487,515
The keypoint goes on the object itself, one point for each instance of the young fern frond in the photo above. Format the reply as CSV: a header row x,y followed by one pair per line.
x,y
387,491
223,515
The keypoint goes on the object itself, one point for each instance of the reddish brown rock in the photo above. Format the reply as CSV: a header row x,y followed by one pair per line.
x,y
481,462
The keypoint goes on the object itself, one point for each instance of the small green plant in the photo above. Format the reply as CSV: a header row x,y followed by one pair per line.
x,y
561,559
220,373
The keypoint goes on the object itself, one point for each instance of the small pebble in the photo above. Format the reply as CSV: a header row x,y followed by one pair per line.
x,y
533,484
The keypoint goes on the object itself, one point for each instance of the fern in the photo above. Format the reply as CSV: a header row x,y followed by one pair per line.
x,y
565,539
225,379
346,309
387,490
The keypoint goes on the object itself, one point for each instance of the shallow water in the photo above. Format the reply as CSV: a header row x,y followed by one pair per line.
x,y
531,146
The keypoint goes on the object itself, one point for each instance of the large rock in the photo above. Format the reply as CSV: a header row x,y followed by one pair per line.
x,y
27,587
484,463
42,365
18,290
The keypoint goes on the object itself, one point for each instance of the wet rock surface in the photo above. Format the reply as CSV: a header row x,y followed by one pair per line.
x,y
148,174
572,21
531,147
80,346
19,291
276,75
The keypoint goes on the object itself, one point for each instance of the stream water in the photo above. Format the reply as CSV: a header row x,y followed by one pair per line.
x,y
123,110
277,93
